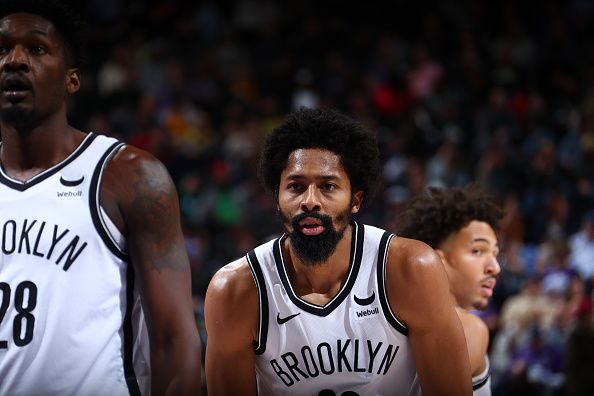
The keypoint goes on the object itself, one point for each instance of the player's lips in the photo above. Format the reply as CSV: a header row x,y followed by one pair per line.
x,y
14,96
310,221
487,286
15,87
311,226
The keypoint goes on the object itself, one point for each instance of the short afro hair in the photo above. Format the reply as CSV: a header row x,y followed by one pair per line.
x,y
434,216
325,129
68,23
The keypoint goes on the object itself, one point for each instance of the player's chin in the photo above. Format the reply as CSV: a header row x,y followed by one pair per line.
x,y
481,303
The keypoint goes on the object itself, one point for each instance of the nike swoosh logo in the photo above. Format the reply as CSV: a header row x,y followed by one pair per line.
x,y
365,301
280,320
71,183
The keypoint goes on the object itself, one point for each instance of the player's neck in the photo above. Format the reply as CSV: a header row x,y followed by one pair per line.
x,y
27,152
460,309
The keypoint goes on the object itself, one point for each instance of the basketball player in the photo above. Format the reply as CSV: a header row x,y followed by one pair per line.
x,y
333,307
460,224
90,235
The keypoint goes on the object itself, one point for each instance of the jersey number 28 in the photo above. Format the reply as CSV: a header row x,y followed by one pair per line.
x,y
22,326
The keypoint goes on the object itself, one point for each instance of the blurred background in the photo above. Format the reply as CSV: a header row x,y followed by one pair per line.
x,y
500,93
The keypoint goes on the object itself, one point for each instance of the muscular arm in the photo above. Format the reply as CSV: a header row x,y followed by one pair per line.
x,y
231,314
141,199
419,294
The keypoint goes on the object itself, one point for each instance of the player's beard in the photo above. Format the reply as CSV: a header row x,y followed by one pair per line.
x,y
18,116
315,249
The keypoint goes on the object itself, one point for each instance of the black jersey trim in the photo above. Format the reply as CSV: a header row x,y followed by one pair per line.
x,y
481,383
129,373
24,185
480,380
255,267
354,265
94,203
382,258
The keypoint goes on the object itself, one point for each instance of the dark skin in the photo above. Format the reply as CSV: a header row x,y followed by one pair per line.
x,y
136,192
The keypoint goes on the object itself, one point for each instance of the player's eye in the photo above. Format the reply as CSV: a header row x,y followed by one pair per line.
x,y
38,49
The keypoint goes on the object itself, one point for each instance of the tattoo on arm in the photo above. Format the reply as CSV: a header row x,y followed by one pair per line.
x,y
153,223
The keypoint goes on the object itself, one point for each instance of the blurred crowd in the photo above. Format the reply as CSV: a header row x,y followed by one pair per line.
x,y
499,93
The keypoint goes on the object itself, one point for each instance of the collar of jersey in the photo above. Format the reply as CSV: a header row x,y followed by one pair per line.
x,y
354,265
24,185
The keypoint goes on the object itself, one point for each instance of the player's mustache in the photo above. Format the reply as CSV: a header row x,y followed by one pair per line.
x,y
486,278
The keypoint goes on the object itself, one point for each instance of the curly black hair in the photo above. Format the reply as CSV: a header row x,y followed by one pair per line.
x,y
434,216
325,129
68,22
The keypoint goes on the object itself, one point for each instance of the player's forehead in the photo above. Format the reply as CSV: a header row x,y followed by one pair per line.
x,y
314,162
23,23
477,231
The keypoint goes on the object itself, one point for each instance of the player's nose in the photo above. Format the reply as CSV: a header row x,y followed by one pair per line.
x,y
311,199
16,59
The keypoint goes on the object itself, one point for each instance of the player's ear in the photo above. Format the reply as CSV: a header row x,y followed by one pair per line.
x,y
357,201
72,80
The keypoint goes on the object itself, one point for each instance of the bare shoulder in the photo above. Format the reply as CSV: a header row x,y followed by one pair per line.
x,y
473,325
234,281
137,172
416,282
477,339
231,304
232,290
410,257
134,184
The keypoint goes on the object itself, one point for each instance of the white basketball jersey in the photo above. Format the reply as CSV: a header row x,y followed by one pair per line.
x,y
69,311
353,345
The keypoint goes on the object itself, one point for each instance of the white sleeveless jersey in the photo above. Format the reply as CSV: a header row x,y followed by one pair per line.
x,y
69,312
353,345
